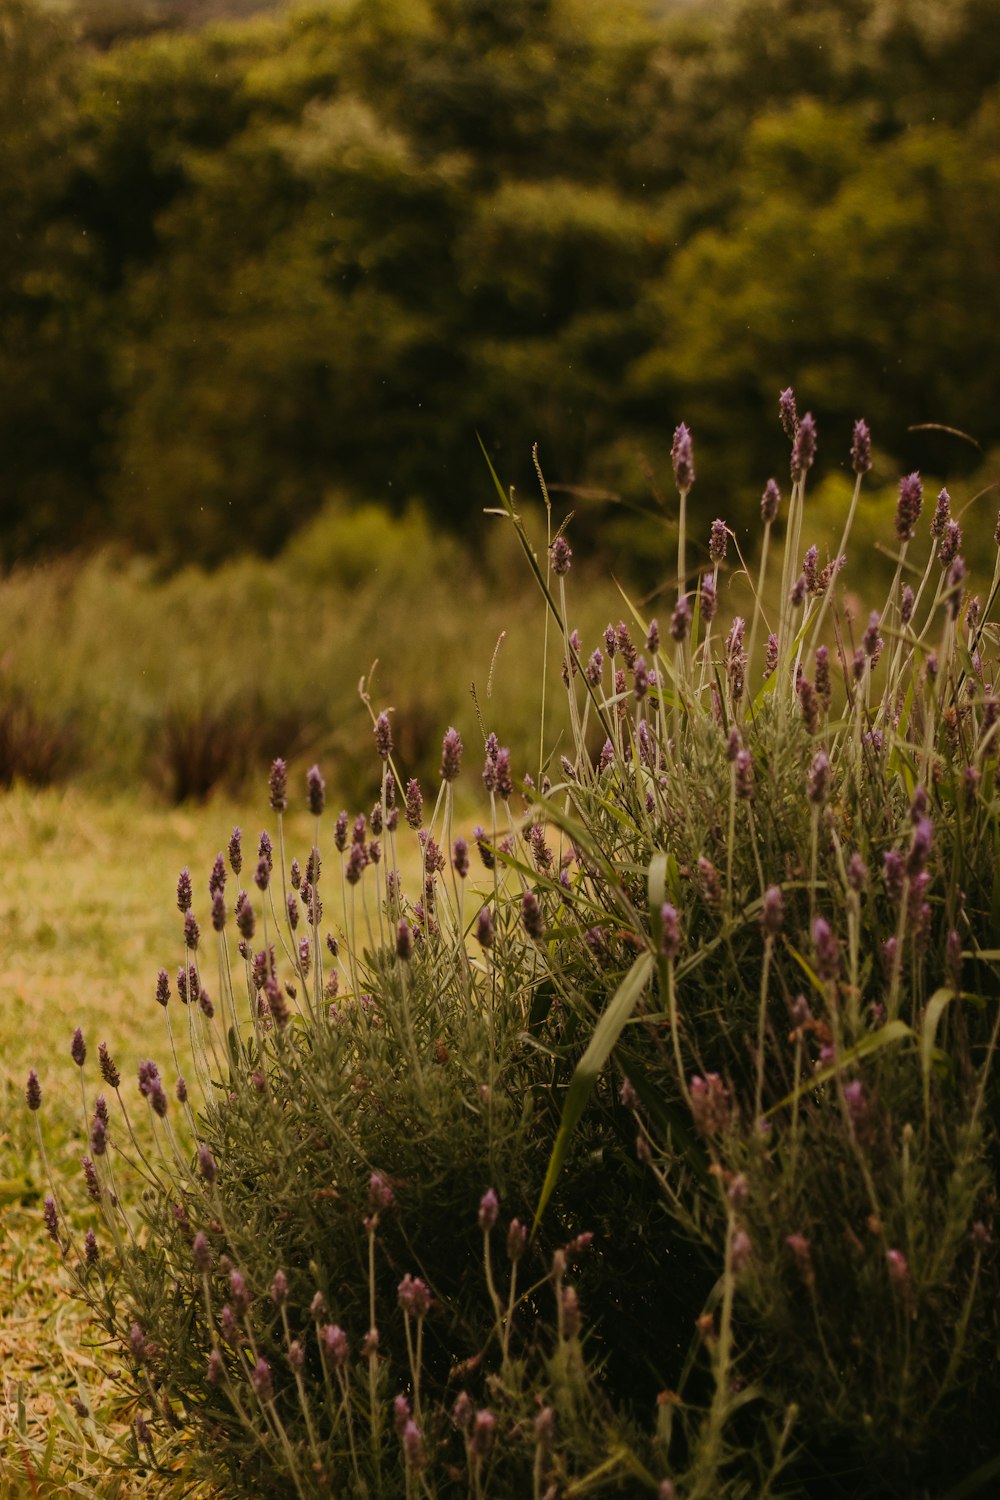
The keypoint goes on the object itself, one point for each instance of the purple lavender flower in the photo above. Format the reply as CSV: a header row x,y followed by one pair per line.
x,y
770,502
709,1103
532,917
78,1048
279,1288
861,447
736,659
246,922
33,1091
277,785
51,1216
181,1090
951,542
810,568
802,1253
771,656
483,1431
908,506
718,540
90,1250
413,1446
892,874
460,858
653,637
236,851
414,1296
206,1164
192,932
218,912
484,928
920,848
809,703
315,791
99,1135
505,784
899,1271
787,413
380,1194
641,675
333,1343
451,755
217,879
772,913
680,620
561,555
906,604
798,591
670,937
357,863
570,1309
404,941
201,1253
857,873
625,645
595,666
941,516
740,1251
682,458
743,775
90,1179
239,1294
827,949
137,1343
184,891
857,1101
955,578
489,1207
260,1379
871,641
819,775
823,686
803,447
709,599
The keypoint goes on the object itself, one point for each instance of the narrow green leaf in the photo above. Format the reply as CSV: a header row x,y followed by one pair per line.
x,y
976,1482
599,1049
892,1031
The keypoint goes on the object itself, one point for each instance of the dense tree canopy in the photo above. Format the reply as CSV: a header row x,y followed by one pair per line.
x,y
324,246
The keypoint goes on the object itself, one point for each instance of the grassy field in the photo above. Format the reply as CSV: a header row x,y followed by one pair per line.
x,y
87,917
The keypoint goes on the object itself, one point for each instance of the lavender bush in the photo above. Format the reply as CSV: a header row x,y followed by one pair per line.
x,y
643,1139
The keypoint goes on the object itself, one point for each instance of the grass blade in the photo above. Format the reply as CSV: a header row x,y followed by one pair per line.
x,y
599,1049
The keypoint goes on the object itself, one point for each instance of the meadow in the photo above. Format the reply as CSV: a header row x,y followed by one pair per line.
x,y
625,1124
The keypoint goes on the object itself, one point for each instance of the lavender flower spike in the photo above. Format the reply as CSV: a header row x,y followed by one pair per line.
x,y
78,1048
315,790
908,506
718,540
277,785
682,458
770,501
804,447
787,412
451,755
383,736
861,448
